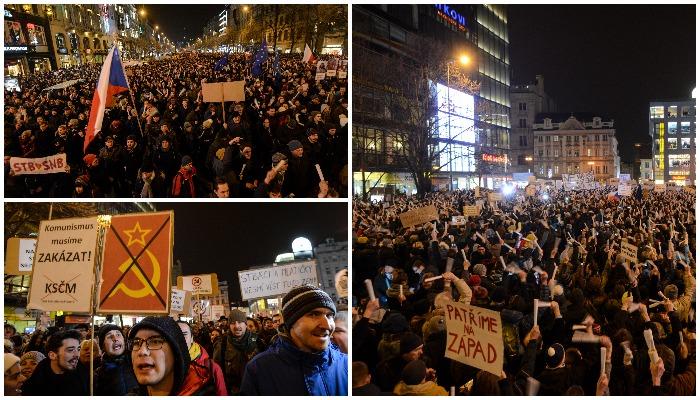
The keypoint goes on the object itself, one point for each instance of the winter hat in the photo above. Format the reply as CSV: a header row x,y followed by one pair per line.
x,y
409,342
187,125
474,280
436,324
277,157
414,372
82,180
311,131
480,269
394,323
301,300
104,330
499,294
147,166
186,160
671,291
237,316
481,292
89,159
294,145
555,355
37,356
10,361
170,330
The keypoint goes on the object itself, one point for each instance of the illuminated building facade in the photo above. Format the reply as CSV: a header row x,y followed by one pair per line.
x,y
672,129
475,124
574,143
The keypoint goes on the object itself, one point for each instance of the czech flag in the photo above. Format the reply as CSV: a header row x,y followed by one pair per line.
x,y
112,82
308,55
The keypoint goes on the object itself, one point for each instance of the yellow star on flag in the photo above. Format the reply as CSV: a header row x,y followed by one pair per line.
x,y
137,235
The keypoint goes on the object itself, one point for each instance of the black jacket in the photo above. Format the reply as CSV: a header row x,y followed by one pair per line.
x,y
44,382
115,377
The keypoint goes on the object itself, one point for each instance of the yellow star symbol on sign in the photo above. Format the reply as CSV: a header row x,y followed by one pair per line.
x,y
137,235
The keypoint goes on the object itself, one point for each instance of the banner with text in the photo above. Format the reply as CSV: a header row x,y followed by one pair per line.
x,y
474,337
276,280
19,256
63,271
419,216
33,166
199,284
629,251
137,263
472,211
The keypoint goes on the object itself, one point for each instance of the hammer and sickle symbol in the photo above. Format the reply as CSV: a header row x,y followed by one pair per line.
x,y
146,289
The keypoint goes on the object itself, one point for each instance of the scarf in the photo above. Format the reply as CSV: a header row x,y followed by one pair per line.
x,y
146,191
184,174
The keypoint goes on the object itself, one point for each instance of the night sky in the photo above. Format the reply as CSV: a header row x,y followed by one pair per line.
x,y
607,59
227,237
181,20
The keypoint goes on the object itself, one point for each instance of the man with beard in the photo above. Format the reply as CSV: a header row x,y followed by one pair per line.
x,y
303,361
235,349
57,375
115,377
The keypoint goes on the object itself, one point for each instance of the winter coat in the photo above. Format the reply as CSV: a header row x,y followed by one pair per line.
x,y
204,376
115,377
428,388
283,369
44,382
232,355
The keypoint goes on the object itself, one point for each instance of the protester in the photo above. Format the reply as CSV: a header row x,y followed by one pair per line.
x,y
57,374
568,249
170,121
12,375
235,349
340,333
115,376
204,372
303,361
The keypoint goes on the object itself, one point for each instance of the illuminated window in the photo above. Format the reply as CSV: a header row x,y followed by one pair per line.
x,y
685,127
588,152
672,143
656,111
685,111
672,128
672,111
555,138
685,143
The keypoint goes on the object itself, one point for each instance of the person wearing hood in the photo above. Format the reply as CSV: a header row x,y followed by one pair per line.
x,y
235,349
115,377
413,382
303,361
161,360
203,371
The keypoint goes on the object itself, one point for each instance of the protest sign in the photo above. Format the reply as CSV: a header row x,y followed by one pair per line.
x,y
624,177
341,282
217,311
19,256
458,220
199,284
419,216
34,166
624,189
332,67
343,69
276,280
474,336
472,211
179,301
689,189
62,274
136,264
613,181
629,251
495,196
659,188
223,91
477,192
321,70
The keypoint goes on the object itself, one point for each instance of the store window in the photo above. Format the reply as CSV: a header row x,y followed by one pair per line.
x,y
672,111
13,34
679,160
60,40
685,127
656,111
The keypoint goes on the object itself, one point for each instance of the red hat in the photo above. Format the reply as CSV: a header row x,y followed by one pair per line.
x,y
89,159
474,280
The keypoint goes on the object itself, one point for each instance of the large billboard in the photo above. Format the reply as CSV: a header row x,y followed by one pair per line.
x,y
456,127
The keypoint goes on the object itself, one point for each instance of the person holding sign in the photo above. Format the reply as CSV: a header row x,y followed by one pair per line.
x,y
302,361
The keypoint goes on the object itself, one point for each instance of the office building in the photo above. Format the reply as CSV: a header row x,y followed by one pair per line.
x,y
672,129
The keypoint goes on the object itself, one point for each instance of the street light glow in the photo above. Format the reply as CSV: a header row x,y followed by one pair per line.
x,y
464,59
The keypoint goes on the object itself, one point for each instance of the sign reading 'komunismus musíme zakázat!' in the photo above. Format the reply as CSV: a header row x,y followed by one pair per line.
x,y
63,272
276,280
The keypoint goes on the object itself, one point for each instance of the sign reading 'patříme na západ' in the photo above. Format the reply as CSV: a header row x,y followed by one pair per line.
x,y
276,280
63,271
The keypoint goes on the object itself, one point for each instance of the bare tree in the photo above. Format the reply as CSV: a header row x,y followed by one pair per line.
x,y
405,105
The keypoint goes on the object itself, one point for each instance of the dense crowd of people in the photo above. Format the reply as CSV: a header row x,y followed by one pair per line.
x,y
301,351
160,139
563,249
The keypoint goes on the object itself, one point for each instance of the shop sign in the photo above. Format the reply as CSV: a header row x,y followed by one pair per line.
x,y
15,48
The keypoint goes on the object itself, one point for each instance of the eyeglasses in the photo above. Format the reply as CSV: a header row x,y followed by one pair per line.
x,y
152,343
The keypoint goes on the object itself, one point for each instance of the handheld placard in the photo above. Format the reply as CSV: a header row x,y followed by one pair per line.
x,y
649,339
534,313
452,390
463,255
502,262
448,268
370,289
603,357
401,290
434,278
320,173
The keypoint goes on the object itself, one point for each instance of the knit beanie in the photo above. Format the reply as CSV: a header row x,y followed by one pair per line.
x,y
555,355
37,356
301,300
409,342
394,322
10,361
104,330
237,316
414,372
170,330
294,145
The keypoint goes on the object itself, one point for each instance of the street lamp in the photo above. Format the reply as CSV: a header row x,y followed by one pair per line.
x,y
528,159
464,60
142,12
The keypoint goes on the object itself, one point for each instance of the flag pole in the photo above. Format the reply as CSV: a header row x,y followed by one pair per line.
x,y
103,223
131,94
